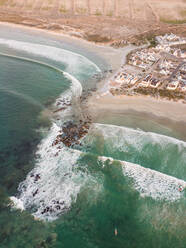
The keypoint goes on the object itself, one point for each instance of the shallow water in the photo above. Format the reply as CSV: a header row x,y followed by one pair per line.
x,y
125,177
25,90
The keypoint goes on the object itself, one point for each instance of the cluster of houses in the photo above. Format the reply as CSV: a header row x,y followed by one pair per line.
x,y
124,78
171,39
144,58
179,80
166,67
131,80
147,57
150,81
164,60
177,52
162,66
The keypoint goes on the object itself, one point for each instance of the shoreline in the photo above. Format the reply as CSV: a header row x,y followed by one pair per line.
x,y
111,58
175,111
102,50
115,57
54,148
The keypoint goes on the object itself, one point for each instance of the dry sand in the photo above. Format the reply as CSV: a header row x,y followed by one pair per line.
x,y
115,57
175,111
112,56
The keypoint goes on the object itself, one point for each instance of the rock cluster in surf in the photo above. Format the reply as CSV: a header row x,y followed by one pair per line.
x,y
71,133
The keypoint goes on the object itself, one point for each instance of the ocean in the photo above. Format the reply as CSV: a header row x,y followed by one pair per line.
x,y
122,186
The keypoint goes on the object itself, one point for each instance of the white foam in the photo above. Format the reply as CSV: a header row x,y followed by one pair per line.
x,y
136,136
148,182
151,183
17,203
76,88
53,185
133,142
154,184
75,63
76,85
59,180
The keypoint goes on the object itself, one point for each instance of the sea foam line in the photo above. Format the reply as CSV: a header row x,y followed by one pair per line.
x,y
75,62
27,98
54,184
109,130
151,183
76,87
60,182
51,160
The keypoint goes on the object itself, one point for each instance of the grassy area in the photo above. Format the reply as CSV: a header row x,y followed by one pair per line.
x,y
3,2
97,38
169,21
183,13
110,14
62,9
151,39
163,93
81,11
46,8
98,13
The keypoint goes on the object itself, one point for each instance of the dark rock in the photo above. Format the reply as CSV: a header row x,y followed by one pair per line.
x,y
35,193
58,207
37,177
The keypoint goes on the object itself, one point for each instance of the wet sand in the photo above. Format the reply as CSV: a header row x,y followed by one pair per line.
x,y
113,105
175,111
113,57
138,112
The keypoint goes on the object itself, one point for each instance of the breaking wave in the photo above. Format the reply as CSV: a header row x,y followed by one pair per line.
x,y
111,131
76,87
54,184
74,63
151,150
151,183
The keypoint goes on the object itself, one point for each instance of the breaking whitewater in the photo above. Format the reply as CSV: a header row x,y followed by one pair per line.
x,y
152,164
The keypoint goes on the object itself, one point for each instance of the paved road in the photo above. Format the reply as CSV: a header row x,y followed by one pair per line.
x,y
176,70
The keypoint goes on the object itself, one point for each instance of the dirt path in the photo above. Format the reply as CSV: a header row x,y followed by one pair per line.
x,y
152,11
131,4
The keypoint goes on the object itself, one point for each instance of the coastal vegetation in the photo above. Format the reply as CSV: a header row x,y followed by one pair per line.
x,y
88,174
3,2
161,93
97,38
63,9
115,20
159,70
173,21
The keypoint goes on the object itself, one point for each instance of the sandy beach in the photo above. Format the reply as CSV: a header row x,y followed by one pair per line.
x,y
174,111
81,167
113,57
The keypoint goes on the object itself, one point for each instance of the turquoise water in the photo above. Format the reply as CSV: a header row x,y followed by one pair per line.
x,y
25,88
89,190
154,151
